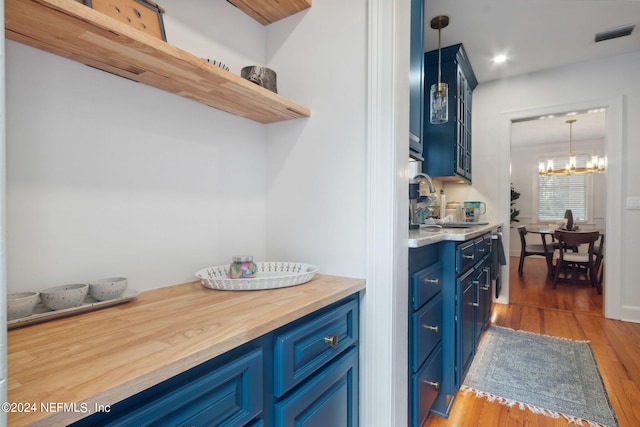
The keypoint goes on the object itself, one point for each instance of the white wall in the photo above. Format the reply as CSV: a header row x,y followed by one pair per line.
x,y
109,177
583,83
316,170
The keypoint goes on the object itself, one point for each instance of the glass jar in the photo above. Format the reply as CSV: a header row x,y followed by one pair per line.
x,y
242,267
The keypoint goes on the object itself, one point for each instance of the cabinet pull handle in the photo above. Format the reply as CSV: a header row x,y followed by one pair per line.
x,y
468,256
332,341
435,329
475,304
434,384
481,250
435,281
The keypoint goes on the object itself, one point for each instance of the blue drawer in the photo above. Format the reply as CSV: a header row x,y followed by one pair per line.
x,y
425,386
465,256
483,246
426,284
426,331
301,351
225,395
487,241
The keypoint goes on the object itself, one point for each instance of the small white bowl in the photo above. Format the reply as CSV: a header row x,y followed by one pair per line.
x,y
65,296
106,289
21,304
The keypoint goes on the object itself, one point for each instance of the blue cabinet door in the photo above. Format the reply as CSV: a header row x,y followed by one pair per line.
x,y
466,321
447,148
328,399
416,77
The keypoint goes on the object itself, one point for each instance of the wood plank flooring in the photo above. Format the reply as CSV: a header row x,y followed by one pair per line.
x,y
570,311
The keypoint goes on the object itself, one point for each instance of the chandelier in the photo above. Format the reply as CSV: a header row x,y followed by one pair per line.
x,y
596,164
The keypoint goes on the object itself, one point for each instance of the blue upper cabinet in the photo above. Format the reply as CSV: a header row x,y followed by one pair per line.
x,y
416,79
447,146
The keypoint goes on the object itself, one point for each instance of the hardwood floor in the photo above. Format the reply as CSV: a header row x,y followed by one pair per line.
x,y
570,311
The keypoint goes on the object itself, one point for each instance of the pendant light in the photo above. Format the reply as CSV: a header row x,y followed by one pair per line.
x,y
439,101
597,164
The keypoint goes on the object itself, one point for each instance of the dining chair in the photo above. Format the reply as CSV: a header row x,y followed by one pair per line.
x,y
571,262
598,249
528,249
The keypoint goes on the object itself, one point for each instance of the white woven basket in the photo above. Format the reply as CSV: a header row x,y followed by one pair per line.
x,y
270,275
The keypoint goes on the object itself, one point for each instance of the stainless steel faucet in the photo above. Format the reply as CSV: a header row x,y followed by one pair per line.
x,y
432,189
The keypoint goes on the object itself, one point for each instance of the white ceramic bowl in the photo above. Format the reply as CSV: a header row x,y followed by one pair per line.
x,y
65,296
21,304
106,289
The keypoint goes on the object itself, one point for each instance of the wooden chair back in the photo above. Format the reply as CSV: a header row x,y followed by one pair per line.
x,y
571,239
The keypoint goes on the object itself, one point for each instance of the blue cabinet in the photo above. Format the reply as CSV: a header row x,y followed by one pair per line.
x,y
447,147
330,398
302,374
466,319
426,331
416,78
449,308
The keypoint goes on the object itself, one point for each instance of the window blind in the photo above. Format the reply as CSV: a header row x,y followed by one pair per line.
x,y
558,193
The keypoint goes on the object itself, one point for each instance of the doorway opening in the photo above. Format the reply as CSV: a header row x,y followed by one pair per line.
x,y
544,199
610,216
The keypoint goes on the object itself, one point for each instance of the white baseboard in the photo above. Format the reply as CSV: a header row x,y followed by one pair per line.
x,y
630,313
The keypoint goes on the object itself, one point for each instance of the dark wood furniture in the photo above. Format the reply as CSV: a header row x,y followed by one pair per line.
x,y
573,263
528,249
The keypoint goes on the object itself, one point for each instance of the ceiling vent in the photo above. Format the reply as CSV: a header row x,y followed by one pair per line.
x,y
614,33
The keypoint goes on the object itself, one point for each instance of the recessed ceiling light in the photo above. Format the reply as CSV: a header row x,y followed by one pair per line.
x,y
499,59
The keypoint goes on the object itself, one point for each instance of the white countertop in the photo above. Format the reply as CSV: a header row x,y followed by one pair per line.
x,y
425,236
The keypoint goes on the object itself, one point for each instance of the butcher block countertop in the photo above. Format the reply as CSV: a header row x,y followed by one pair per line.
x,y
60,371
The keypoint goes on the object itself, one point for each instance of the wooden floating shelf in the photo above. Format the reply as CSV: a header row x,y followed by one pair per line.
x,y
75,31
269,11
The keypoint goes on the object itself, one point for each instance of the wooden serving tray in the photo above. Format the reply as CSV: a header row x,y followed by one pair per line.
x,y
44,314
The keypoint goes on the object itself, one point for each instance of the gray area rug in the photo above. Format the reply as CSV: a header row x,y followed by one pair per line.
x,y
547,375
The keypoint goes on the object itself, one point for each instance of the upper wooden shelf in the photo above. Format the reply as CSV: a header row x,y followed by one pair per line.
x,y
75,31
269,11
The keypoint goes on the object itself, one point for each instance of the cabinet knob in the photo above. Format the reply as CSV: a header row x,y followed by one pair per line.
x,y
435,281
434,384
435,329
332,341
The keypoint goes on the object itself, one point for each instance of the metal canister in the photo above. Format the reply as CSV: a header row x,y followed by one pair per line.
x,y
242,267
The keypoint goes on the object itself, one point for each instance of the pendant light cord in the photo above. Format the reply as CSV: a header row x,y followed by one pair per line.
x,y
439,58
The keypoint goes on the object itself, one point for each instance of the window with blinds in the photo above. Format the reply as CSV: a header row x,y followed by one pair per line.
x,y
558,193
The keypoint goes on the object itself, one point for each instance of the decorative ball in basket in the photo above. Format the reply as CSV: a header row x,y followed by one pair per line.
x,y
269,275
